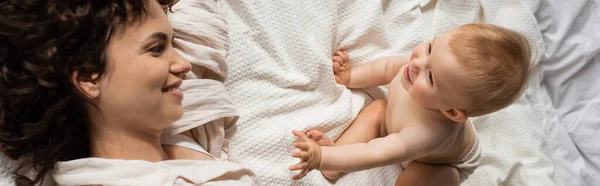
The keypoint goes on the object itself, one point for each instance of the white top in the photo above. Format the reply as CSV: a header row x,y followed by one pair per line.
x,y
99,171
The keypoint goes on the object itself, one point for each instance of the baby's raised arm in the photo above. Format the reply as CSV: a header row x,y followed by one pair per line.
x,y
375,73
410,143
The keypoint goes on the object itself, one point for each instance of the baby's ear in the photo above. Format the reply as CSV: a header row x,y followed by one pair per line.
x,y
455,115
89,88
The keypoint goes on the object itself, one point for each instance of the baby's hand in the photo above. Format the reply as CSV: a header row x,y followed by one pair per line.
x,y
341,67
309,155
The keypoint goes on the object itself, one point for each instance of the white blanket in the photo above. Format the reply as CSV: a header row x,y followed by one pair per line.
x,y
570,87
281,79
201,37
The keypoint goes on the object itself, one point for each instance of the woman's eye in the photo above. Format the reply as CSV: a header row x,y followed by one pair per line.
x,y
430,78
157,50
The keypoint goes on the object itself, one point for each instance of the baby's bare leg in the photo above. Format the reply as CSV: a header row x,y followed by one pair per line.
x,y
422,174
366,127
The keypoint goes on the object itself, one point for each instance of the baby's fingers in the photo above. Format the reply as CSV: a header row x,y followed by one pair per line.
x,y
343,54
300,175
301,154
337,59
337,68
338,80
300,135
301,146
298,166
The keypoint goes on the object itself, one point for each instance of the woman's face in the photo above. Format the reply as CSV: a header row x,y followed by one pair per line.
x,y
140,88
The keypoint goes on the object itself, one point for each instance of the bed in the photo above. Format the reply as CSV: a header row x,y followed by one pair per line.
x,y
570,86
280,79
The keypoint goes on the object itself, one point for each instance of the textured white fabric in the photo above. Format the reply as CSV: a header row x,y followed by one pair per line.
x,y
570,86
201,38
281,79
98,171
184,141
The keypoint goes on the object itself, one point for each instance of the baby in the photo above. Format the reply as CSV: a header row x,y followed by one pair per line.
x,y
472,70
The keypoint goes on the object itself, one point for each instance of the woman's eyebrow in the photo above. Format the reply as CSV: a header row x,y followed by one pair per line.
x,y
158,35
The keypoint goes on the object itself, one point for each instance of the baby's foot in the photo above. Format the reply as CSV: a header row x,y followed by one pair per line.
x,y
341,67
322,140
319,137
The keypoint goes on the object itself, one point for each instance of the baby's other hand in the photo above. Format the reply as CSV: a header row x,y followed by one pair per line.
x,y
341,67
309,155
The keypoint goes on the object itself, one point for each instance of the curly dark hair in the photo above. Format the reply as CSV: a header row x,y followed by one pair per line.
x,y
43,116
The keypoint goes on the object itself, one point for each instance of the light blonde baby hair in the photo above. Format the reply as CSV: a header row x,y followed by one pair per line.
x,y
497,62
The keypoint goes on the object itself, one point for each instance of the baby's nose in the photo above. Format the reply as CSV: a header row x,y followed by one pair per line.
x,y
415,53
415,67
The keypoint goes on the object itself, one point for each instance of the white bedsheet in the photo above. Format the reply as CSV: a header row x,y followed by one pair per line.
x,y
281,79
570,71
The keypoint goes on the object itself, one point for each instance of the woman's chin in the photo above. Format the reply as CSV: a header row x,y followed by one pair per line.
x,y
177,115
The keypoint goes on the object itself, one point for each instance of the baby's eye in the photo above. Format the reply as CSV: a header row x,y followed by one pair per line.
x,y
430,78
429,52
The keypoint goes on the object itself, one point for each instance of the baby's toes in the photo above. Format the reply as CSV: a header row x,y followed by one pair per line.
x,y
320,138
315,134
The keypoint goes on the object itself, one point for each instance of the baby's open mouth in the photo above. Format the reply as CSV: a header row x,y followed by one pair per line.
x,y
407,73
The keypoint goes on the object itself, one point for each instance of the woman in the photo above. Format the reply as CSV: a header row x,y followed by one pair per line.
x,y
86,85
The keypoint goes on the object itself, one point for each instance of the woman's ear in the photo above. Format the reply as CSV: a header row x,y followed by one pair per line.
x,y
455,115
89,88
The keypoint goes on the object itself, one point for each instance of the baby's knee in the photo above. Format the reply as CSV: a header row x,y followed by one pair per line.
x,y
376,107
379,103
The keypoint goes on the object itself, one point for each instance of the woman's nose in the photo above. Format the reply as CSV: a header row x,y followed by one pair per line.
x,y
180,65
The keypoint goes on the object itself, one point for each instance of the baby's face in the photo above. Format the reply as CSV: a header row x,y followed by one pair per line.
x,y
433,77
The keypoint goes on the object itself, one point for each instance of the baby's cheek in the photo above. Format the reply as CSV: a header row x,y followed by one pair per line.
x,y
422,96
417,94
